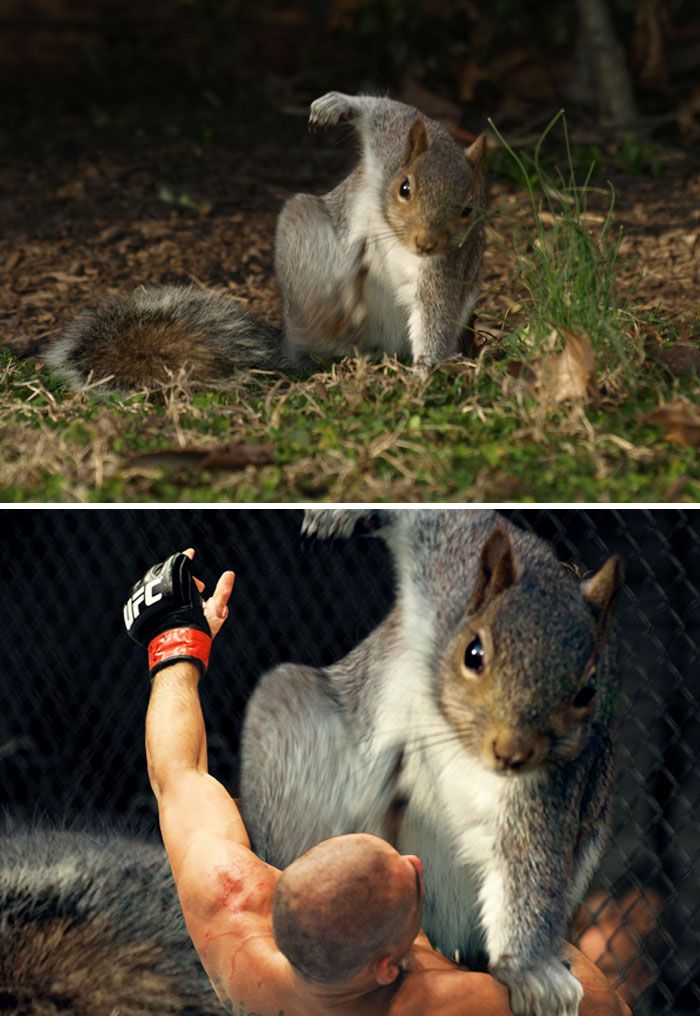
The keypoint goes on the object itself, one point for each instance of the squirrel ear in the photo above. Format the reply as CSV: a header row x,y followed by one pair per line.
x,y
417,141
600,588
497,570
476,152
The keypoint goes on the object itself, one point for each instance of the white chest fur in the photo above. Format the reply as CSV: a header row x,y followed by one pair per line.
x,y
390,290
453,806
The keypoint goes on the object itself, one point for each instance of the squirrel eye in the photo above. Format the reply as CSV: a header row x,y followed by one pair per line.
x,y
405,190
474,655
585,696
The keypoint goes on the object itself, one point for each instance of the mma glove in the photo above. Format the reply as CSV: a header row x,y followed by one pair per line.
x,y
165,613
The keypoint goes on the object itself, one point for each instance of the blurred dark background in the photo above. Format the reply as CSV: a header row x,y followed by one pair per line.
x,y
617,64
75,689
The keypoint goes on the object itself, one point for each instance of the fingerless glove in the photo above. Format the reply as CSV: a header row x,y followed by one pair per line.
x,y
165,613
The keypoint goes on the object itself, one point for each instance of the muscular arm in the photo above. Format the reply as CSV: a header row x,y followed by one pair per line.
x,y
458,992
195,810
201,826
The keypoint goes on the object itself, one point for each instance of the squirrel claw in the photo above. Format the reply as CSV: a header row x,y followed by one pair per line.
x,y
547,989
329,109
423,368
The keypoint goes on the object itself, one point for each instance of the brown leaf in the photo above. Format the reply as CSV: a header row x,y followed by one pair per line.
x,y
674,490
681,420
681,358
571,374
521,372
12,260
231,455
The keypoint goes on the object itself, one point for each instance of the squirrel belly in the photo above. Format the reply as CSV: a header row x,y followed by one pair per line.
x,y
91,924
146,337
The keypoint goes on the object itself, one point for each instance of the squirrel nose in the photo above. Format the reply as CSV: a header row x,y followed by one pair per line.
x,y
510,754
423,244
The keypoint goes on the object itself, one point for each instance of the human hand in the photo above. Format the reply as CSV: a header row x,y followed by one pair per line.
x,y
166,613
216,606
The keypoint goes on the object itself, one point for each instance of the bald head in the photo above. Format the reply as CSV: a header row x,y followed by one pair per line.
x,y
343,904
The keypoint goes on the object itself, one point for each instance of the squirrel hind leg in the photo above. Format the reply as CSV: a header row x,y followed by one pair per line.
x,y
321,279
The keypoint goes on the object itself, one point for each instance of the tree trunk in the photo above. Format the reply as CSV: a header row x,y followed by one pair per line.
x,y
618,109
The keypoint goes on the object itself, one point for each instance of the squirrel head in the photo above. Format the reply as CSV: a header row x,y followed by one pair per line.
x,y
517,647
434,200
525,677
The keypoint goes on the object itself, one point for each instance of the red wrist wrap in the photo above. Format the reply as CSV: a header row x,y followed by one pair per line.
x,y
179,644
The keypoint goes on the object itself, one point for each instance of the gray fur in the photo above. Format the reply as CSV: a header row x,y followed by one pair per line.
x,y
98,345
507,857
427,319
347,280
90,924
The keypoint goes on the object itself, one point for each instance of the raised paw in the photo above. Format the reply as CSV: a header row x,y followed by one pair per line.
x,y
331,108
547,989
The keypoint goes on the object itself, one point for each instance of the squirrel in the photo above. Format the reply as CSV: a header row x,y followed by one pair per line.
x,y
473,727
387,261
90,925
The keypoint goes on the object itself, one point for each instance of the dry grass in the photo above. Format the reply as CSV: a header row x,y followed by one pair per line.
x,y
359,431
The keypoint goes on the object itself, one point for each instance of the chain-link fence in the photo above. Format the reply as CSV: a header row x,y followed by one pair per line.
x,y
75,692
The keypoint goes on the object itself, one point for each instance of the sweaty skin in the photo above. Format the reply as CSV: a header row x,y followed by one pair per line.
x,y
226,891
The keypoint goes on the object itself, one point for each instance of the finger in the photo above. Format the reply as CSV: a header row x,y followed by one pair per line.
x,y
190,552
221,595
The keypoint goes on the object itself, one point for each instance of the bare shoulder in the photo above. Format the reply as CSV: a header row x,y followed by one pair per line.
x,y
220,878
432,983
451,992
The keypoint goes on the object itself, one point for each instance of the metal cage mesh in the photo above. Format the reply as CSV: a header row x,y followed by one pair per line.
x,y
71,726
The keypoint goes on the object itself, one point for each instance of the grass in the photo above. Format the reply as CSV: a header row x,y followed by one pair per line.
x,y
376,431
360,431
566,259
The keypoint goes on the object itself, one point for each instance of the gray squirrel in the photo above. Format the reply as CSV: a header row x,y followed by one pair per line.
x,y
472,727
90,925
388,261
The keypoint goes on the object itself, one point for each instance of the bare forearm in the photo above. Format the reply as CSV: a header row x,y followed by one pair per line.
x,y
176,737
191,803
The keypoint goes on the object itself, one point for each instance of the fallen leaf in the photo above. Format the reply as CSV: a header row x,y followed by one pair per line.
x,y
675,489
681,420
71,190
681,358
521,372
67,277
225,456
12,260
570,374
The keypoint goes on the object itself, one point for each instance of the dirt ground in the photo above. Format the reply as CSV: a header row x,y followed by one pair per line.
x,y
90,207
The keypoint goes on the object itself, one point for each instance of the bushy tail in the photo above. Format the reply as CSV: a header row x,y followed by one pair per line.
x,y
149,336
90,925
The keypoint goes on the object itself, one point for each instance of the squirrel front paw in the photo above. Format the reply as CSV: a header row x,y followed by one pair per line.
x,y
547,989
329,109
